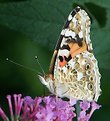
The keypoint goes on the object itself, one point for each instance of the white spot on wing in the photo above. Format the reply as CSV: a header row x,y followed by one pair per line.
x,y
80,75
80,34
64,52
70,33
69,17
63,31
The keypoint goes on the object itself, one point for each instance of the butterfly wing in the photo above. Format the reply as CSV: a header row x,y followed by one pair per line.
x,y
74,38
73,66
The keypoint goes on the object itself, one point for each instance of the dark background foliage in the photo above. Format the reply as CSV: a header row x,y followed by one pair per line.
x,y
31,27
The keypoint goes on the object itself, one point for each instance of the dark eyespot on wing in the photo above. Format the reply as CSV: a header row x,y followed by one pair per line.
x,y
70,40
61,58
65,57
65,47
68,59
80,44
79,40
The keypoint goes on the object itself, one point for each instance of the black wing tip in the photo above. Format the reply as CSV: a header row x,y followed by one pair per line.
x,y
77,9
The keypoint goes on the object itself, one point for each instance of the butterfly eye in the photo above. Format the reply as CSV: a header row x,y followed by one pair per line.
x,y
90,86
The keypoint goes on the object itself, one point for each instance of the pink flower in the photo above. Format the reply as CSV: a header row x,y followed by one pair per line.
x,y
47,108
83,116
18,101
52,109
94,106
85,106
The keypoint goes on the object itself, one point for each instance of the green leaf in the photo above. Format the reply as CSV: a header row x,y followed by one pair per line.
x,y
21,78
37,19
98,12
43,20
94,11
7,1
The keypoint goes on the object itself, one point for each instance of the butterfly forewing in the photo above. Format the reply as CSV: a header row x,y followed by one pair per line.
x,y
73,71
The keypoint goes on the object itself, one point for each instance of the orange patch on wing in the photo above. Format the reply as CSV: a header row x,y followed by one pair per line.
x,y
75,49
63,63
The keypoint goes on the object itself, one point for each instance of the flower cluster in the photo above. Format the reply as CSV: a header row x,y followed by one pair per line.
x,y
85,106
49,108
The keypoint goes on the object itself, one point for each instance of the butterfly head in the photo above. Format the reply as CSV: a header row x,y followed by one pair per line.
x,y
47,80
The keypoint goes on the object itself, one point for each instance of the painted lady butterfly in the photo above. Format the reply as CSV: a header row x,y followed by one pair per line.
x,y
73,71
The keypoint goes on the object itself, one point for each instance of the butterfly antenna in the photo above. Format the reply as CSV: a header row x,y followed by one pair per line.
x,y
39,65
18,64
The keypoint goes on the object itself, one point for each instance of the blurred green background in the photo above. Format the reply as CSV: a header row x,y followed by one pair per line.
x,y
31,27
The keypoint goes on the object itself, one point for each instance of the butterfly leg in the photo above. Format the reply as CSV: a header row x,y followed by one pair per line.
x,y
73,101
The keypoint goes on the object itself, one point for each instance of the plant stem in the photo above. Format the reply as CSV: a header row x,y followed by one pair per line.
x,y
78,109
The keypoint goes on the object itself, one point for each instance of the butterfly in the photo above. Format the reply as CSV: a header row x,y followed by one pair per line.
x,y
73,71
